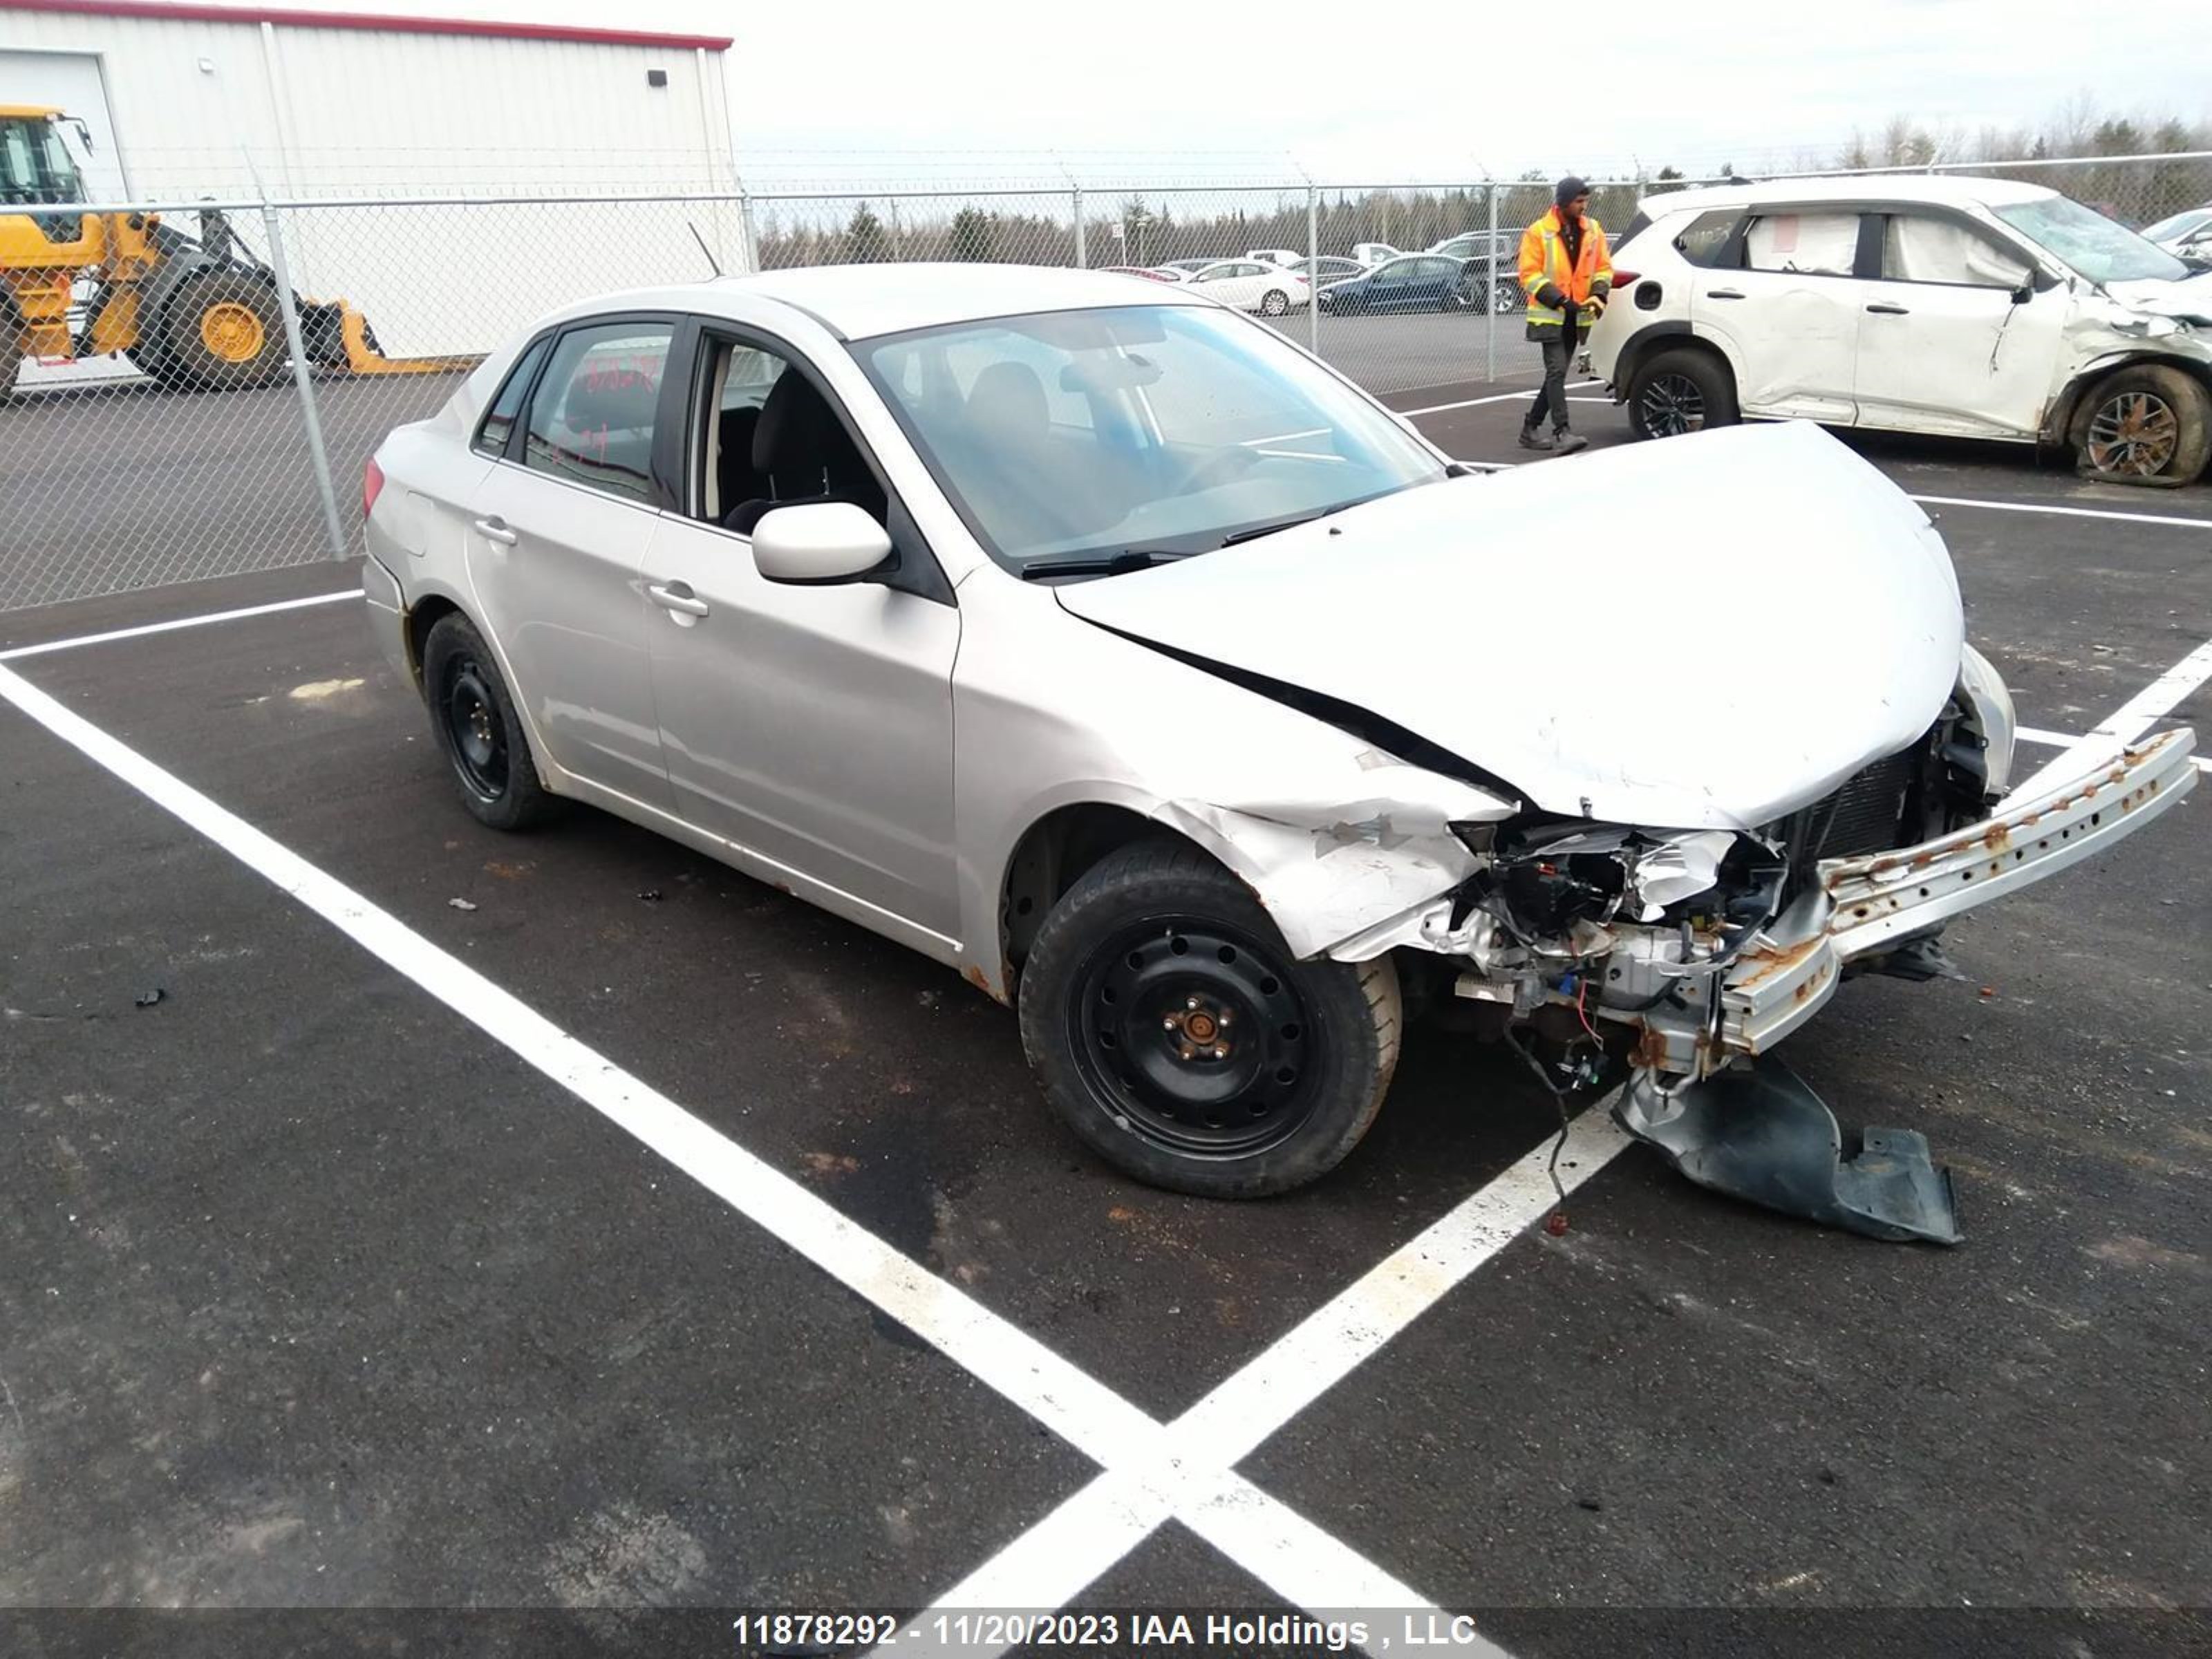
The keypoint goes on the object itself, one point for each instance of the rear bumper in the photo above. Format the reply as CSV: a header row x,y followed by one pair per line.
x,y
388,615
1869,904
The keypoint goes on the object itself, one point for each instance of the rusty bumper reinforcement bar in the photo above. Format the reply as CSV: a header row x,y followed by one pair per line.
x,y
1742,1123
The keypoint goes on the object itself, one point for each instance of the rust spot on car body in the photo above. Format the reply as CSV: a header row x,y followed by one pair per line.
x,y
1775,959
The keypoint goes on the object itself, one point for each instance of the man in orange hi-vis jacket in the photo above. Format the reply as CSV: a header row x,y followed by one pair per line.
x,y
1566,273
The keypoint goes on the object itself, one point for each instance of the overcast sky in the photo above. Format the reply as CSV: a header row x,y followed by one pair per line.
x,y
1180,88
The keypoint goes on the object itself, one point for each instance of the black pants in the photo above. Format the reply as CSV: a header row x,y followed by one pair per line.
x,y
1559,351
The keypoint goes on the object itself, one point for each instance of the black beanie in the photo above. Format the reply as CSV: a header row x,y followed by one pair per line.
x,y
1567,189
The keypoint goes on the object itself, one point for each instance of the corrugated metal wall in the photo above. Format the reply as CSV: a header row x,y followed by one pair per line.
x,y
335,112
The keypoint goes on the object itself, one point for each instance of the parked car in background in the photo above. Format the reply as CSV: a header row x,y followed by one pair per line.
x,y
990,609
1327,269
1185,266
1251,286
1152,272
1413,281
1499,253
1976,307
1275,256
1371,254
2185,235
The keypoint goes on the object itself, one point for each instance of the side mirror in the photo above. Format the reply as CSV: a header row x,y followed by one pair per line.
x,y
818,542
2023,293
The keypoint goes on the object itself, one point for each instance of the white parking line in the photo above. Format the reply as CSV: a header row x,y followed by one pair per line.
x,y
202,620
1499,397
1272,1389
1925,500
2060,740
2126,723
1151,1473
2064,512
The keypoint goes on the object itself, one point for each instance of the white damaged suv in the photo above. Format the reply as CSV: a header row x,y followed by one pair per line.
x,y
1970,308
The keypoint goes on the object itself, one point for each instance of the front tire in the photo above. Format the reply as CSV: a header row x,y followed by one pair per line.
x,y
1681,390
1176,1036
477,730
2146,424
222,331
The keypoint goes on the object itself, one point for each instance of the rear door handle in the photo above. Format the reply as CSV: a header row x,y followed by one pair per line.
x,y
1889,310
496,530
1722,293
677,597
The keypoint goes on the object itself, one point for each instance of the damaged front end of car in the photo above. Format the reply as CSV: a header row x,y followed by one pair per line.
x,y
1681,958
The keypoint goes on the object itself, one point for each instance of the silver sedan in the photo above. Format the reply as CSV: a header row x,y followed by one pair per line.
x,y
1107,648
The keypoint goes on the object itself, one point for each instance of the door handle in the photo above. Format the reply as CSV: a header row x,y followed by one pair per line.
x,y
1723,294
1889,310
494,530
677,597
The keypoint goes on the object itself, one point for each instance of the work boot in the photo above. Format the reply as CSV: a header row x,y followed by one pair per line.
x,y
1566,442
1533,439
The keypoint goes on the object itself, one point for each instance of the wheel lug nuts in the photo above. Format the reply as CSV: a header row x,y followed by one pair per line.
x,y
1221,1053
1192,1003
1223,1020
1190,1053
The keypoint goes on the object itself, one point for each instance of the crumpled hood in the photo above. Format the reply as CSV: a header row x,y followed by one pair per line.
x,y
1706,632
2190,298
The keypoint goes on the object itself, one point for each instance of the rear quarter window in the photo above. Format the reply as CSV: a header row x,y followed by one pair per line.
x,y
507,405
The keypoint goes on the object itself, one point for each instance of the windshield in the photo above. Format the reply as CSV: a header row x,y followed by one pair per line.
x,y
2090,243
35,166
1161,428
2168,230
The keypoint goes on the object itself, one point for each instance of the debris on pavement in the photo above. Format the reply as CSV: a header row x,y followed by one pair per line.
x,y
461,903
148,998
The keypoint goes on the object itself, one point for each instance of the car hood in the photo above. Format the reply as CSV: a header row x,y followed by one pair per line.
x,y
2190,298
1707,632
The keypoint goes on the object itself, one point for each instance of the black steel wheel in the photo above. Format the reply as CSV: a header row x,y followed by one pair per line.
x,y
1682,389
1177,1037
1197,1033
477,730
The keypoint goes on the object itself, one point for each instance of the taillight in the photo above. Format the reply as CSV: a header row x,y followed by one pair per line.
x,y
372,484
1623,279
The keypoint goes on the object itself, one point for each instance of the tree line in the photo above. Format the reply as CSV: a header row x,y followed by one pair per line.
x,y
1150,227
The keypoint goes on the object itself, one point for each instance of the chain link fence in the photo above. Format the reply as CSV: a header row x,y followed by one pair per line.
x,y
218,423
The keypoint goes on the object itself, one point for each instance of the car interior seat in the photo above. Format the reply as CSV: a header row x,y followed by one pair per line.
x,y
802,453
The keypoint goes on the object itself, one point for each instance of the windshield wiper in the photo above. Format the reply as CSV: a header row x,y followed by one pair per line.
x,y
1260,529
1111,564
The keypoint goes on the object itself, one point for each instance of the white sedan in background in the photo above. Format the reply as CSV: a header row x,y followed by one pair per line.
x,y
1249,285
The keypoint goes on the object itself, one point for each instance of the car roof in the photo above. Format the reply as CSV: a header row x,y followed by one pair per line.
x,y
862,301
1952,189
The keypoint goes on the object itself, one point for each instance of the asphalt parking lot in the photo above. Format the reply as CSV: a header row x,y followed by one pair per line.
x,y
630,1234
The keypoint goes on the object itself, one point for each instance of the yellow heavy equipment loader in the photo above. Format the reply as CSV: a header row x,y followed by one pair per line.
x,y
194,312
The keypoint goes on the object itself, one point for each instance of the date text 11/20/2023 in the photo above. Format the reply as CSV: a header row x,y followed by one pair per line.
x,y
995,1631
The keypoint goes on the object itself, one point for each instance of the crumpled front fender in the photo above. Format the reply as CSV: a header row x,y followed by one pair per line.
x,y
1333,870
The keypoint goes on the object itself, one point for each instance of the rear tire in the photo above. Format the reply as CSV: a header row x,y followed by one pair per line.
x,y
1680,389
472,714
1275,302
2146,424
1178,1038
221,329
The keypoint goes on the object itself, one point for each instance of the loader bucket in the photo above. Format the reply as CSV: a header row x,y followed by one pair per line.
x,y
359,354
1758,1132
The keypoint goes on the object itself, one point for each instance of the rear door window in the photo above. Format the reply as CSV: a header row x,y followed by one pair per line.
x,y
499,420
1816,244
592,417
